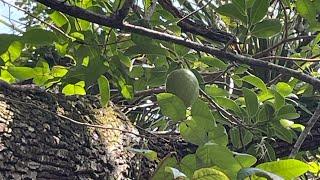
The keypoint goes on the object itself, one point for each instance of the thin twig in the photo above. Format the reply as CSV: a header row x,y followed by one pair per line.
x,y
315,117
232,120
289,59
193,12
261,53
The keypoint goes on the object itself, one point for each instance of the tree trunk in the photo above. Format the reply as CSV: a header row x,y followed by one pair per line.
x,y
39,141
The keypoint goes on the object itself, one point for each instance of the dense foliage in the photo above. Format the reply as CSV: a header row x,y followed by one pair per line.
x,y
255,62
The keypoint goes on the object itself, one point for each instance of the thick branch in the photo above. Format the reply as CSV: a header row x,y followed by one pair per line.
x,y
107,21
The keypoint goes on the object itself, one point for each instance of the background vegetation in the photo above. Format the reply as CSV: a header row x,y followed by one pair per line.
x,y
256,62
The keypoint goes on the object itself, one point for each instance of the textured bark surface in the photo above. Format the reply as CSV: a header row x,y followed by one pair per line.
x,y
36,144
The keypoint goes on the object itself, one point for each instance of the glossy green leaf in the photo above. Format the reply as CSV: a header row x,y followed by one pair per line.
x,y
287,112
175,172
259,10
279,100
171,106
228,104
74,89
240,139
251,100
59,71
212,154
201,130
209,173
6,40
241,5
265,114
255,81
202,110
284,89
283,133
288,169
214,91
231,10
39,37
21,73
267,28
160,172
188,164
245,160
58,18
13,52
247,172
213,62
309,10
104,89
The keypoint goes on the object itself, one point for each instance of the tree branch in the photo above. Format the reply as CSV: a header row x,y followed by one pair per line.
x,y
122,13
315,117
111,22
188,26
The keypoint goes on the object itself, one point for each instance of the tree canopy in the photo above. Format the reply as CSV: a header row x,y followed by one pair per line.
x,y
256,63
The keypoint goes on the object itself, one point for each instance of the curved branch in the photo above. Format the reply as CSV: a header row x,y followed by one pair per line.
x,y
111,22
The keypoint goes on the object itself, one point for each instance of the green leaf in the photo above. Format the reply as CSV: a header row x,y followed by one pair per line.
x,y
284,89
228,104
74,89
188,164
267,28
259,10
238,139
288,169
212,154
200,131
160,172
231,10
265,113
175,172
6,40
214,91
201,109
104,90
13,52
247,172
213,62
245,160
39,37
251,100
309,10
287,112
171,106
59,71
209,173
149,154
22,73
283,133
279,100
255,81
58,18
286,123
241,6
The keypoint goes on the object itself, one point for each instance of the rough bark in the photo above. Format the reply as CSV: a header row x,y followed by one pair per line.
x,y
35,144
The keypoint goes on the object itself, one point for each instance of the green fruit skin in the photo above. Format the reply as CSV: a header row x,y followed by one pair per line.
x,y
184,84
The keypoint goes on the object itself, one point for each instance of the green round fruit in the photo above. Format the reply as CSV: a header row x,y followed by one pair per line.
x,y
184,84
